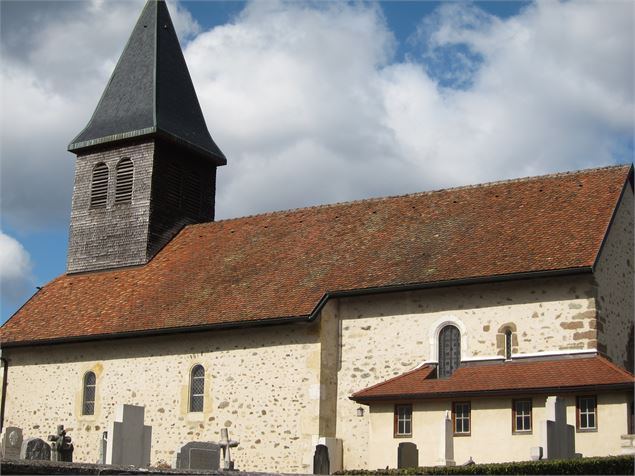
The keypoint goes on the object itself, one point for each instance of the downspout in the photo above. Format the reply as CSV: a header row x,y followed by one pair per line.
x,y
5,372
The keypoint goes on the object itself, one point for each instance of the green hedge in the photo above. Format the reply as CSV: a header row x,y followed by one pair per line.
x,y
608,465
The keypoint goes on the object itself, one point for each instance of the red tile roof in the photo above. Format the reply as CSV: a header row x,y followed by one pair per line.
x,y
282,264
567,374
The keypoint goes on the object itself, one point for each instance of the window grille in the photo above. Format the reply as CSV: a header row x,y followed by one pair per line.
x,y
449,351
197,388
99,186
508,344
125,173
88,404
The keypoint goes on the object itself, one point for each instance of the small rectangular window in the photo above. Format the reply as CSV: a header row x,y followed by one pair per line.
x,y
403,420
461,415
587,413
521,415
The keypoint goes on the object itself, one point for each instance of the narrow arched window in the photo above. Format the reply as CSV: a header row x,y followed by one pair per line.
x,y
88,403
449,351
99,186
508,344
197,388
125,173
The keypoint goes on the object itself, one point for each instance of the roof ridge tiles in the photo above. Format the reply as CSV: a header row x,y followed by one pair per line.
x,y
413,194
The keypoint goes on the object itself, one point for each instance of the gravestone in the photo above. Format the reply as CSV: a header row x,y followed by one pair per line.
x,y
225,443
321,460
128,438
35,448
557,438
407,455
11,443
446,447
61,446
198,455
103,445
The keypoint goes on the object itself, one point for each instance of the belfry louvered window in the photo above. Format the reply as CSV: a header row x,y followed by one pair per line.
x,y
99,186
125,173
88,400
191,203
197,388
449,351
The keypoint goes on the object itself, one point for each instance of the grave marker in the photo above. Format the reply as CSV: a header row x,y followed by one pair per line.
x,y
225,443
35,448
407,455
61,446
11,442
198,455
128,438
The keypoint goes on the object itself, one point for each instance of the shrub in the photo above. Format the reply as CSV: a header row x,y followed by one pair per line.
x,y
604,465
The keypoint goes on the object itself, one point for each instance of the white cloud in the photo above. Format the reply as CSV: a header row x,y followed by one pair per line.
x,y
310,107
55,65
15,270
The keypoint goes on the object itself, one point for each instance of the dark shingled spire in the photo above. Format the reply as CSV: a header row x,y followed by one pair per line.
x,y
150,92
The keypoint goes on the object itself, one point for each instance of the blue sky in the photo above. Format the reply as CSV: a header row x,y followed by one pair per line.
x,y
318,102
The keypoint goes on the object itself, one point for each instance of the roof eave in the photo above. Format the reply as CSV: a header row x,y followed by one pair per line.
x,y
156,332
154,131
490,393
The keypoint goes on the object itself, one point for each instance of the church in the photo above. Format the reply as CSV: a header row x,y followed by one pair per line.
x,y
437,324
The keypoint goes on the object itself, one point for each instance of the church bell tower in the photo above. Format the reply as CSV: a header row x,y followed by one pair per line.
x,y
146,163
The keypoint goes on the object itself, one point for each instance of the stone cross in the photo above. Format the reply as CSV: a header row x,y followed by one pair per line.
x,y
11,443
61,446
225,443
128,438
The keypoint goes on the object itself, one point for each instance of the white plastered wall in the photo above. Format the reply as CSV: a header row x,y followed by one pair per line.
x,y
491,439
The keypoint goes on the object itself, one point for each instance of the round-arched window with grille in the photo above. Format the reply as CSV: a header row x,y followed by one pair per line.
x,y
88,400
197,388
449,351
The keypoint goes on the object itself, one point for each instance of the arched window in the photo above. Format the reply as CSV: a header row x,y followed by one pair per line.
x,y
508,344
88,401
123,190
449,351
197,388
99,186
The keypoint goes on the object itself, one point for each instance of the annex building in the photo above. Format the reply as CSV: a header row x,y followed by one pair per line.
x,y
360,325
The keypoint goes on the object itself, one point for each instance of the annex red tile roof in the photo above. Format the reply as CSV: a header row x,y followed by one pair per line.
x,y
282,264
500,379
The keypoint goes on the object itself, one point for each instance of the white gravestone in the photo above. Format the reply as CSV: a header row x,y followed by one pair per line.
x,y
446,449
556,437
128,438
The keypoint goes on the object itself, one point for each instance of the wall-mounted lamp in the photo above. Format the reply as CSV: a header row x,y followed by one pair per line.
x,y
360,412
